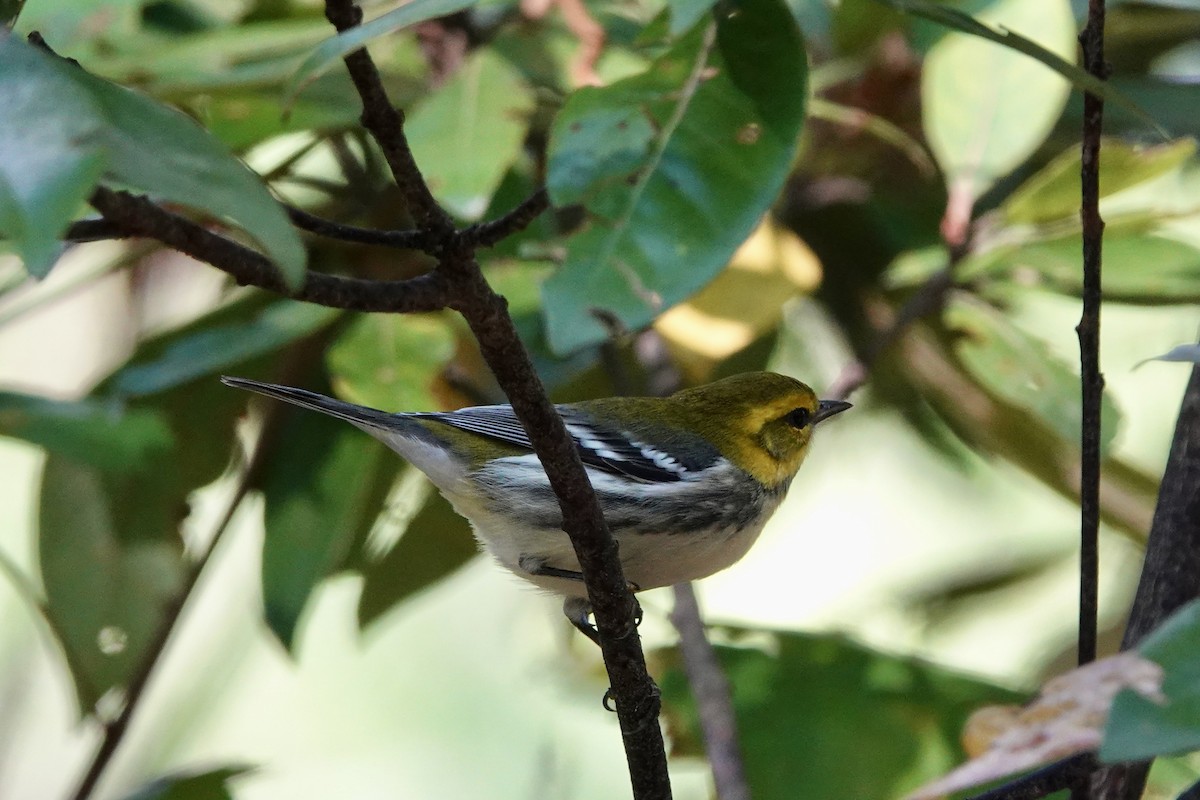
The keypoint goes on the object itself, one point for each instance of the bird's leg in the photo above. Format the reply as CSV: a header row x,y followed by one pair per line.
x,y
576,609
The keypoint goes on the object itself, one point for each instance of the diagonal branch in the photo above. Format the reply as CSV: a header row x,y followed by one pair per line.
x,y
385,123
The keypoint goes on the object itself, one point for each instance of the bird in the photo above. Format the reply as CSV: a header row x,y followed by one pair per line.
x,y
686,482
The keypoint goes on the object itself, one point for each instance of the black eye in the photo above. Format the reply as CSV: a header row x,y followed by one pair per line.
x,y
799,418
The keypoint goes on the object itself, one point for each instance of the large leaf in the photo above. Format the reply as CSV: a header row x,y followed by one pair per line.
x,y
986,106
1020,370
105,592
1139,266
1139,728
676,166
324,487
338,46
1053,193
432,543
817,701
213,348
1033,47
208,785
391,362
102,435
63,129
467,135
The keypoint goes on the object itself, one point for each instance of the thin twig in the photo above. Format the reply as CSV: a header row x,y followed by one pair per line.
x,y
1092,381
114,731
926,300
385,122
138,216
486,234
714,703
405,240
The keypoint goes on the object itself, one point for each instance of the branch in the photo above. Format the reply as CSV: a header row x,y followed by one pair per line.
x,y
114,731
1091,381
137,216
385,123
714,704
1065,774
403,240
637,698
486,234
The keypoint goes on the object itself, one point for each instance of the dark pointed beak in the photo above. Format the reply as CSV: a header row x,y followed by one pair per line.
x,y
827,408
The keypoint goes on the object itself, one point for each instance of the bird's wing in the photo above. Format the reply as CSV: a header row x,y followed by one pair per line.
x,y
601,446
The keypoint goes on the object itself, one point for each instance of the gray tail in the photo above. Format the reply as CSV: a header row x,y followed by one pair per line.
x,y
358,415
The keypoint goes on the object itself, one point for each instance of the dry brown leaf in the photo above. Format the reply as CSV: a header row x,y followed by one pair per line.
x,y
1067,718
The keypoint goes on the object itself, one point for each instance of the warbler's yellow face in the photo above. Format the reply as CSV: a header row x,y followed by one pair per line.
x,y
763,422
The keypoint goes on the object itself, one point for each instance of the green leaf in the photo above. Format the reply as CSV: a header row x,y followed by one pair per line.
x,y
987,107
103,435
1053,192
9,11
1139,728
49,154
813,701
1139,267
1019,369
105,593
63,128
665,214
207,785
216,348
390,362
329,51
1081,79
467,135
324,486
397,564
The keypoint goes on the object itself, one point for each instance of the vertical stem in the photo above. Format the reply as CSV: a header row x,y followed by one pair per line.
x,y
1092,382
714,703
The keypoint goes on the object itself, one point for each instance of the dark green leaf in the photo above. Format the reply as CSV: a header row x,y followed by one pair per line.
x,y
103,435
9,11
817,701
339,46
469,132
49,154
208,785
1053,193
62,128
664,216
1139,728
324,487
1139,267
217,348
433,544
1082,80
1019,369
105,593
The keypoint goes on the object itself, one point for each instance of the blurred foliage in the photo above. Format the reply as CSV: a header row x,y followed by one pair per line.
x,y
769,183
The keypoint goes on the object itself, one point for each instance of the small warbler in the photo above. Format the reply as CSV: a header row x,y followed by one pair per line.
x,y
686,482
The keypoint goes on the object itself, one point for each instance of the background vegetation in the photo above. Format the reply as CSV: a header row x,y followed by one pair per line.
x,y
770,190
